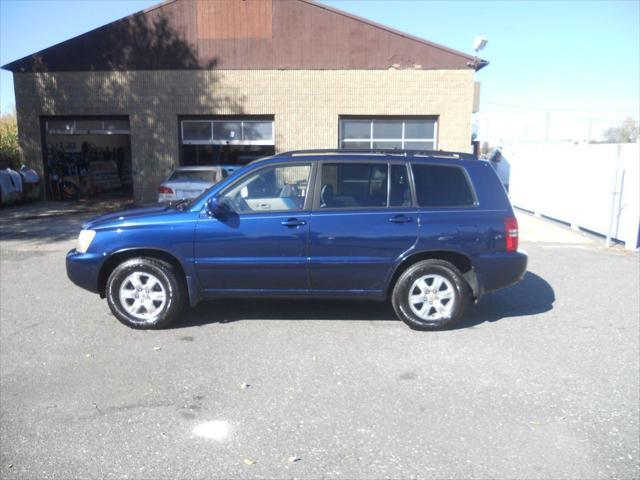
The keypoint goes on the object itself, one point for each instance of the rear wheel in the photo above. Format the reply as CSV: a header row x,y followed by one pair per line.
x,y
145,293
430,295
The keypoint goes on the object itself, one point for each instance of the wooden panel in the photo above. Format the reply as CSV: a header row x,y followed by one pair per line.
x,y
234,19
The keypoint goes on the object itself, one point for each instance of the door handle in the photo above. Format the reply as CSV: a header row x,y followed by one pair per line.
x,y
400,219
293,222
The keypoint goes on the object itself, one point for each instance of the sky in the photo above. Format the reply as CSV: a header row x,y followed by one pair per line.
x,y
569,68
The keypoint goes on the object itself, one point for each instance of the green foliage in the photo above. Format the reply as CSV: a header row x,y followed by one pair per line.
x,y
9,149
627,132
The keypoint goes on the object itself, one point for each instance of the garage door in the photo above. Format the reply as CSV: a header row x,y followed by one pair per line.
x,y
225,141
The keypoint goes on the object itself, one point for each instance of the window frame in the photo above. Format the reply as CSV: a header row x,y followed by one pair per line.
x,y
318,185
466,176
402,140
307,200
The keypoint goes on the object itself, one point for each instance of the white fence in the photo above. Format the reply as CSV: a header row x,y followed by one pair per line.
x,y
595,187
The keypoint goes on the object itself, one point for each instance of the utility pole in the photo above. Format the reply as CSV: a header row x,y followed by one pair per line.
x,y
546,126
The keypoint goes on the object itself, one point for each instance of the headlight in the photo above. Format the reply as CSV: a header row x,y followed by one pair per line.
x,y
84,240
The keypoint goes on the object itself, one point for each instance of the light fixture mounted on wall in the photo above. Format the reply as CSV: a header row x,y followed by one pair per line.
x,y
478,45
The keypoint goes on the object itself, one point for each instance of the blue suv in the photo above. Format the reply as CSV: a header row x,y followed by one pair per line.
x,y
429,231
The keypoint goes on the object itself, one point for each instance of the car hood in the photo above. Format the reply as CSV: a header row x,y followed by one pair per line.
x,y
133,215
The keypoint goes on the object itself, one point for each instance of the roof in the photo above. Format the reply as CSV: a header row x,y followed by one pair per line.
x,y
243,34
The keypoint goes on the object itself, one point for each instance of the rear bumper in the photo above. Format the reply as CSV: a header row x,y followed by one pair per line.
x,y
500,270
83,269
166,197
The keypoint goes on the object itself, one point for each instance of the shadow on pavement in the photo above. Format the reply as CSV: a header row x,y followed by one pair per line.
x,y
233,310
52,221
42,231
533,295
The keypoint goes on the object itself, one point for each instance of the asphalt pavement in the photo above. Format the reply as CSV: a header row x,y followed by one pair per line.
x,y
539,381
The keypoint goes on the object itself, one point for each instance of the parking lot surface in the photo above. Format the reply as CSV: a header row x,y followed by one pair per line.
x,y
539,381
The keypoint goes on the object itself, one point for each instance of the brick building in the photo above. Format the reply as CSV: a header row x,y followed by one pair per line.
x,y
197,82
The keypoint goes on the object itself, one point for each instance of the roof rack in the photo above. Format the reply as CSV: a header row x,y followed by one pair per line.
x,y
379,151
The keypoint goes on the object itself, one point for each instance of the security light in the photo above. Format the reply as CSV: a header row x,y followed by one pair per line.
x,y
479,43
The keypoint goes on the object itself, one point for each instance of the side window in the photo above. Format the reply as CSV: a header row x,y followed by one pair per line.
x,y
353,185
272,189
441,186
399,189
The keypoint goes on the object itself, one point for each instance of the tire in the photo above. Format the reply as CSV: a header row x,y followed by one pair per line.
x,y
153,286
70,190
437,313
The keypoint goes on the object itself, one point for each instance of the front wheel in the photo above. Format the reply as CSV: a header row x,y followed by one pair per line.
x,y
145,293
430,295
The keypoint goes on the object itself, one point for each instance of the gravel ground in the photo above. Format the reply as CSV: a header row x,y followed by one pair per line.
x,y
540,380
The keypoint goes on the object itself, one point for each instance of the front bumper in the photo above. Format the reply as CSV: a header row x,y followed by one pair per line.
x,y
500,270
83,269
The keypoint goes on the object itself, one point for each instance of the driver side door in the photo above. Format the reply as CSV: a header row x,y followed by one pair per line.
x,y
260,242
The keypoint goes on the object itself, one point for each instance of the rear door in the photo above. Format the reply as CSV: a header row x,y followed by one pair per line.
x,y
450,215
363,220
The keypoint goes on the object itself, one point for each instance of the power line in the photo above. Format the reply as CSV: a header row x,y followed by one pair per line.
x,y
542,109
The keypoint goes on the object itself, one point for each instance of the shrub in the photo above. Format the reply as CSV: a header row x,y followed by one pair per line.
x,y
9,149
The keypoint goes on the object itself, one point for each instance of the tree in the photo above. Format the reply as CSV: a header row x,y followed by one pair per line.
x,y
9,148
627,132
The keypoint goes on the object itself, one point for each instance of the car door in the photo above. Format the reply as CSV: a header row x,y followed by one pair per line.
x,y
260,242
363,220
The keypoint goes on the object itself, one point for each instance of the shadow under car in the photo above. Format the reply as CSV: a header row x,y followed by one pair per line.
x,y
531,296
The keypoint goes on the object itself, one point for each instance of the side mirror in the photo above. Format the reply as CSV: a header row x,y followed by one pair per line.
x,y
214,208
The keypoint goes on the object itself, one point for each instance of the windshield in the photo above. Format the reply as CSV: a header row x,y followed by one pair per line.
x,y
208,176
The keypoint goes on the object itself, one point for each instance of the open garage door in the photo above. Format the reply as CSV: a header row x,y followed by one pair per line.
x,y
228,142
87,157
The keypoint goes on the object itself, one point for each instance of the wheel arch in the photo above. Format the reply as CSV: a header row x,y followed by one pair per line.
x,y
461,261
120,256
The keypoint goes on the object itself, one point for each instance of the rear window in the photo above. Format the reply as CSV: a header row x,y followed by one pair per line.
x,y
441,186
208,176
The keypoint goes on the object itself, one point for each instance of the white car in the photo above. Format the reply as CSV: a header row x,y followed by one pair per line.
x,y
189,182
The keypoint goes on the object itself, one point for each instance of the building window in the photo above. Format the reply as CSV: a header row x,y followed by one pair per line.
x,y
227,132
388,133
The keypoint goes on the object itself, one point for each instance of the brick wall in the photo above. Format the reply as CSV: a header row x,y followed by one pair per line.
x,y
306,105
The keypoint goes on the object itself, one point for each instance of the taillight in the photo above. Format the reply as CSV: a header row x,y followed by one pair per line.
x,y
511,234
163,189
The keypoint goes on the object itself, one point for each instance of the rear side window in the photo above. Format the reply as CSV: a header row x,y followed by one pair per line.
x,y
441,186
353,185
